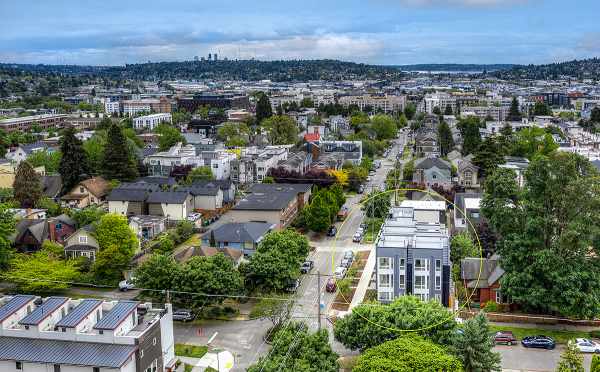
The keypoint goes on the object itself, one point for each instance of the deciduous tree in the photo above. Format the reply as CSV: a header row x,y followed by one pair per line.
x,y
117,245
281,130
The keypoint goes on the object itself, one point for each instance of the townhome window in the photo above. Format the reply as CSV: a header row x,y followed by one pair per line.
x,y
96,369
401,280
385,263
438,282
420,282
385,296
19,365
57,368
402,263
83,239
420,264
385,280
438,265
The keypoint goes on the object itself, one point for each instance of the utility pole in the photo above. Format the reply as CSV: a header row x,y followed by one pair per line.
x,y
319,298
168,296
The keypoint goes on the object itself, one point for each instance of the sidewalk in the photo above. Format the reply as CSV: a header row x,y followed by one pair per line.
x,y
365,279
555,327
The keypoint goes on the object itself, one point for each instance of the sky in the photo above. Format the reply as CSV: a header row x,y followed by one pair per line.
x,y
385,32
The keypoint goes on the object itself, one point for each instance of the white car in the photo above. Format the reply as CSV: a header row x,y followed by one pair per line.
x,y
586,346
340,272
125,285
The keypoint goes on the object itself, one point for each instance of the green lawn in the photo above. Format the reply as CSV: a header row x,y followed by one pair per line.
x,y
373,227
192,351
560,336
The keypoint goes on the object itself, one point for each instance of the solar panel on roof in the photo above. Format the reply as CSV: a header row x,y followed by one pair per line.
x,y
43,311
117,315
79,313
15,303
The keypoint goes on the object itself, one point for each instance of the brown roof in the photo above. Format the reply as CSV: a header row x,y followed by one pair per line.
x,y
206,251
97,186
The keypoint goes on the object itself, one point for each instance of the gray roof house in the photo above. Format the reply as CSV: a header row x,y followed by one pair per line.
x,y
483,277
244,236
432,170
82,243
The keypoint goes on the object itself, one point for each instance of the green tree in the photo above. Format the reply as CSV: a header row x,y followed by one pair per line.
x,y
277,259
473,346
200,174
74,166
462,246
159,272
94,150
169,136
233,134
530,142
488,156
27,185
117,244
87,216
595,367
407,353
514,114
338,193
384,127
410,110
7,229
548,236
213,275
275,307
471,137
436,111
52,208
541,109
41,272
297,349
448,110
118,162
445,138
318,217
281,130
263,108
595,115
50,160
377,205
571,360
357,331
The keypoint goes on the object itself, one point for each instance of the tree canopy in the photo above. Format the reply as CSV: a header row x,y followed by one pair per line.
x,y
27,185
445,138
117,245
74,166
169,136
118,162
280,129
473,346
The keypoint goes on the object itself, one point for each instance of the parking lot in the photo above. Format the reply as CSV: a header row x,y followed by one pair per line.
x,y
518,358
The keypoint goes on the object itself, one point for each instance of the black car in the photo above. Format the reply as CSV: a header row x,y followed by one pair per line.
x,y
292,286
540,342
307,266
332,231
183,315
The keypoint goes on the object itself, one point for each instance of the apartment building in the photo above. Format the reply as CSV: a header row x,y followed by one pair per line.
x,y
71,335
384,103
497,113
112,107
413,258
26,123
439,100
135,106
151,121
254,164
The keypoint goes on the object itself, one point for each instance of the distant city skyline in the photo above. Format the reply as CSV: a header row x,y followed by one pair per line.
x,y
385,32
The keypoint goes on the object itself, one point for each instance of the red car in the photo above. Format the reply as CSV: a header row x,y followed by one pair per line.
x,y
331,286
505,337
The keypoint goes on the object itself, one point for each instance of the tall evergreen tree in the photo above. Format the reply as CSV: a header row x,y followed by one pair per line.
x,y
571,360
7,229
27,185
118,162
471,136
514,114
474,346
263,108
74,165
445,138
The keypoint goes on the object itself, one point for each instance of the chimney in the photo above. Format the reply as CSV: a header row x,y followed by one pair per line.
x,y
52,228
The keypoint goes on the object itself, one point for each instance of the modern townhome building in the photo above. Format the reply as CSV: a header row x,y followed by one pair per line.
x,y
86,335
151,121
413,258
277,204
333,154
253,164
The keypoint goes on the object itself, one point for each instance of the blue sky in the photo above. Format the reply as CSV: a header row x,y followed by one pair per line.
x,y
109,32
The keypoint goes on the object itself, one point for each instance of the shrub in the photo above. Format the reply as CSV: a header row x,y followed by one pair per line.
x,y
491,307
595,367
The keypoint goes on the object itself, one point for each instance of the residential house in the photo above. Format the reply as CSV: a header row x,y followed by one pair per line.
x,y
130,199
205,197
254,164
162,163
147,227
297,161
412,258
277,204
28,213
467,174
52,186
432,170
30,234
243,236
22,151
175,205
227,187
92,191
333,154
82,243
519,166
481,276
467,211
84,335
184,255
426,144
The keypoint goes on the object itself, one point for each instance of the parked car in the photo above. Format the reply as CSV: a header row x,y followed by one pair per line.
x,y
357,238
193,217
349,255
363,225
307,266
332,231
330,286
346,262
361,189
540,342
585,345
340,272
292,286
183,315
126,285
505,337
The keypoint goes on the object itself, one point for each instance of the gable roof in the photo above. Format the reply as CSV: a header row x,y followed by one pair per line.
x,y
37,228
168,197
271,197
132,195
97,186
196,190
52,185
481,273
240,232
428,163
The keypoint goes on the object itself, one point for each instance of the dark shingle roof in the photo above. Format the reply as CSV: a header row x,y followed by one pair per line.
x,y
37,228
79,313
274,196
117,315
132,195
52,186
65,352
201,190
240,232
14,304
427,163
168,197
43,311
170,181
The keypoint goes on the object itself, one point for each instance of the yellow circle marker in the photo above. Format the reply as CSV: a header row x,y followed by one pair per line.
x,y
452,314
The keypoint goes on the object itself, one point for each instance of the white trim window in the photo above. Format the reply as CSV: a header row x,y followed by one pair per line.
x,y
386,280
401,281
420,282
385,263
385,296
83,239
